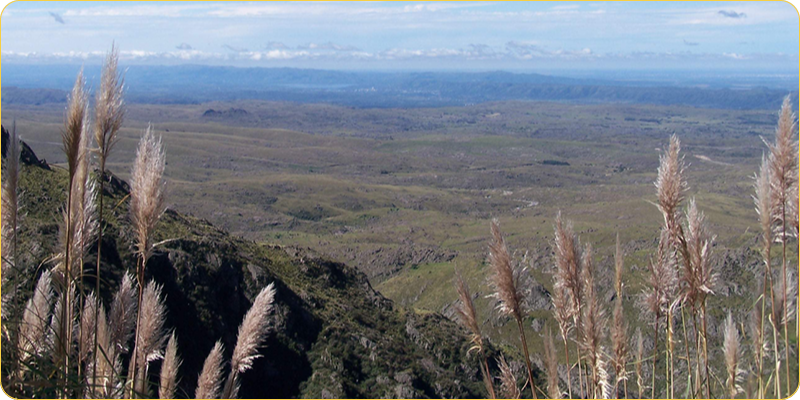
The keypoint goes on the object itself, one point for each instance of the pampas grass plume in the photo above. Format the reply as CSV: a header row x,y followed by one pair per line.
x,y
252,333
147,191
169,369
109,107
508,382
732,356
210,381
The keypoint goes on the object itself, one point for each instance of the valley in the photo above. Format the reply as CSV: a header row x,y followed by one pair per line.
x,y
406,195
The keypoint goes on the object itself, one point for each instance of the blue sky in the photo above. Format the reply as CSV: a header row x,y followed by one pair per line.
x,y
409,35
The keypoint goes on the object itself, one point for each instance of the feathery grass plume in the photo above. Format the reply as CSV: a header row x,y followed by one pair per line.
x,y
551,362
603,382
467,314
783,179
639,362
732,355
10,205
35,320
671,187
75,123
109,106
763,199
252,333
563,315
568,257
505,280
783,158
113,332
699,242
88,323
210,381
169,370
469,318
569,276
619,329
594,323
147,191
122,316
508,382
150,337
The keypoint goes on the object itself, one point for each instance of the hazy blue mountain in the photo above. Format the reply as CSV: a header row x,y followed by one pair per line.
x,y
195,83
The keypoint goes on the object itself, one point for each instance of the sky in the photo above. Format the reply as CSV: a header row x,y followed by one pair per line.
x,y
409,35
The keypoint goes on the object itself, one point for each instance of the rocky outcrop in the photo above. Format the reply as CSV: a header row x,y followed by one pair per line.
x,y
27,156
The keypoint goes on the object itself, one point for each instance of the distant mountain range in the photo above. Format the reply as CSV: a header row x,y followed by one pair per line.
x,y
26,84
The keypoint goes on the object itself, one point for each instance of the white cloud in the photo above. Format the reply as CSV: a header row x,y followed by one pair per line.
x,y
736,56
326,9
747,13
327,46
149,10
567,7
519,51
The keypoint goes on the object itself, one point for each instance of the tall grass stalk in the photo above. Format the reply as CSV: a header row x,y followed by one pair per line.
x,y
776,351
700,242
74,140
765,209
10,207
505,280
469,318
147,205
660,286
563,315
109,113
594,328
783,178
551,363
619,334
689,382
569,276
